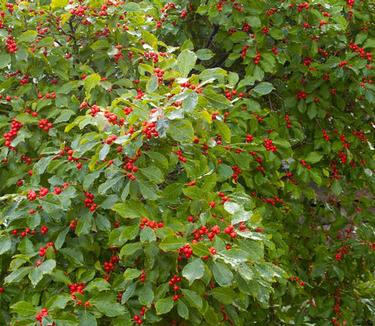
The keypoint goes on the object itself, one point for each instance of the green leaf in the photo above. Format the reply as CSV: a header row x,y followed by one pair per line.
x,y
171,243
130,249
23,308
200,249
28,36
190,102
42,164
194,270
164,306
224,131
313,157
91,82
222,274
205,54
104,152
182,310
17,275
84,224
130,232
5,244
152,84
128,293
87,319
99,284
224,295
58,3
181,131
263,88
58,302
132,273
186,62
46,268
4,60
129,209
148,190
239,214
146,295
131,7
108,307
147,235
104,187
59,242
153,174
193,298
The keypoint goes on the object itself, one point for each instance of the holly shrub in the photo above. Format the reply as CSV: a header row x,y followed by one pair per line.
x,y
187,163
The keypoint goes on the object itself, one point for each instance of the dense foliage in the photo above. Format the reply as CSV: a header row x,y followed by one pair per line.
x,y
189,163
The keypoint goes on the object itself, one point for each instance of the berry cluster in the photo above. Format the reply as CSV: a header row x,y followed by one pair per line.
x,y
236,173
142,277
41,314
11,44
334,171
130,167
244,51
151,56
305,164
114,119
224,198
77,288
341,252
249,138
31,195
173,284
230,231
138,319
151,224
127,110
159,74
69,152
361,51
344,141
287,120
94,110
89,202
149,130
257,58
229,94
25,79
79,11
274,201
43,229
181,156
109,266
110,139
269,146
9,136
139,95
343,157
47,96
45,125
325,135
73,224
24,233
185,251
43,250
301,95
203,230
302,6
296,279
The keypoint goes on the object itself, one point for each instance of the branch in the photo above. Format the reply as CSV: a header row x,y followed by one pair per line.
x,y
213,33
